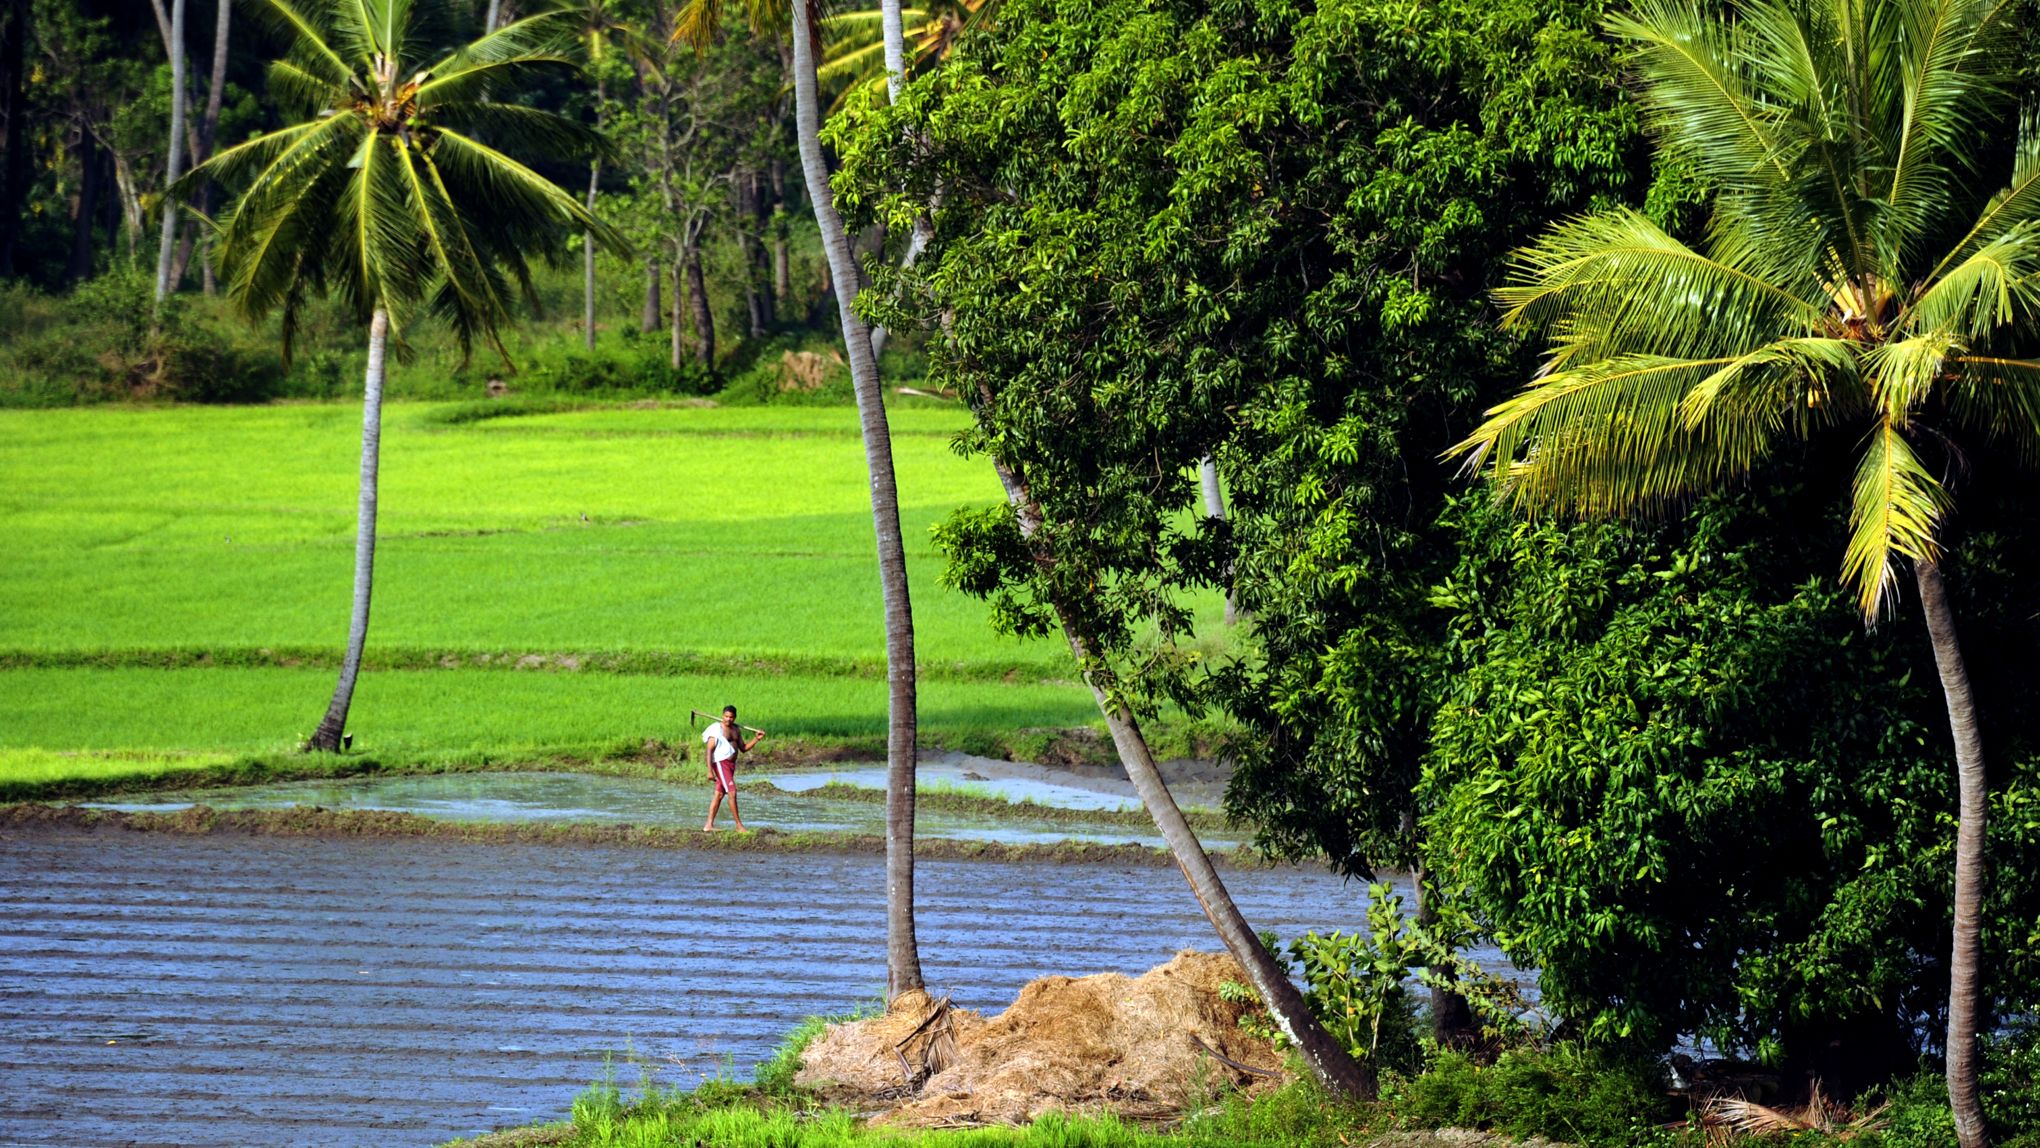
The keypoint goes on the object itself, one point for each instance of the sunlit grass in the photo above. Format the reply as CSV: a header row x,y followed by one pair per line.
x,y
411,712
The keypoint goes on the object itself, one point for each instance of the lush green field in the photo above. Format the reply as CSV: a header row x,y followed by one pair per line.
x,y
678,556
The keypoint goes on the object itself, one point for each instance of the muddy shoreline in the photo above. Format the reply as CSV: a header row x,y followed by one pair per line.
x,y
205,821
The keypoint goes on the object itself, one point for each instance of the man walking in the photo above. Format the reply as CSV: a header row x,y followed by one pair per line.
x,y
722,741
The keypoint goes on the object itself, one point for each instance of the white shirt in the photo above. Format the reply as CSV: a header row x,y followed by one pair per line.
x,y
725,749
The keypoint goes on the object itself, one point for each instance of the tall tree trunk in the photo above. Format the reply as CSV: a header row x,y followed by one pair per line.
x,y
1333,1066
14,174
80,266
648,321
895,77
744,190
680,304
761,271
782,266
202,148
903,959
174,163
1965,989
588,237
1451,1015
1214,507
588,262
494,18
699,317
327,736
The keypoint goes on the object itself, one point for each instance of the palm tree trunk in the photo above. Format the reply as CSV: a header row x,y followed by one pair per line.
x,y
588,237
1328,1061
494,17
903,960
174,163
1965,979
208,130
1214,507
327,736
588,262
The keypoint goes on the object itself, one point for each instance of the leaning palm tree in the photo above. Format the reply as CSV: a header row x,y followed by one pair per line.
x,y
1863,275
699,21
385,193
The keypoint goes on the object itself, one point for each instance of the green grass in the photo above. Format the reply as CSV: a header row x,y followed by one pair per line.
x,y
726,1116
571,575
410,713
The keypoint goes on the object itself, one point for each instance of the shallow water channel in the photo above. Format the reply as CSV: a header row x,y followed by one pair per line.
x,y
573,797
268,991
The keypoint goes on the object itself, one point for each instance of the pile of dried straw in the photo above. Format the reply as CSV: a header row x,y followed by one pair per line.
x,y
1143,1047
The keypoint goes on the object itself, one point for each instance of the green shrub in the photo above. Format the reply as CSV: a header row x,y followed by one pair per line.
x,y
1567,1093
2011,1083
611,369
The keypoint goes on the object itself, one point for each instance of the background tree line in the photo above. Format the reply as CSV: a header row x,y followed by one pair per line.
x,y
725,254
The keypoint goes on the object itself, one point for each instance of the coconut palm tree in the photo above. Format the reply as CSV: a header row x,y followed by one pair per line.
x,y
1870,271
699,21
385,193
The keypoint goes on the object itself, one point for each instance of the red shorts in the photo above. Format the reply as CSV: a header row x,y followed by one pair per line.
x,y
724,775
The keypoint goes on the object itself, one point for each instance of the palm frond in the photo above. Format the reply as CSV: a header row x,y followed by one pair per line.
x,y
532,132
1895,508
1905,372
1699,99
296,87
1615,283
307,36
472,83
497,182
1997,286
1614,436
1999,397
2017,205
230,165
1947,100
548,32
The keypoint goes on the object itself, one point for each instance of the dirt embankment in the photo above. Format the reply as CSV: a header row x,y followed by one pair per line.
x,y
312,821
1146,1048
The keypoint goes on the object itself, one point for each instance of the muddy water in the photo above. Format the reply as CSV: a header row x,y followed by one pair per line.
x,y
587,798
261,991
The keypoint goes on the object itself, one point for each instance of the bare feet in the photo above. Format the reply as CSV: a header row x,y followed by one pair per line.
x,y
741,829
714,828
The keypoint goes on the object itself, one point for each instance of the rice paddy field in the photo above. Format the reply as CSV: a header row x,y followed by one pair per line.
x,y
176,581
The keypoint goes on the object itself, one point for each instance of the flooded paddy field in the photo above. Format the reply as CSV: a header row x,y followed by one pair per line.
x,y
157,989
789,805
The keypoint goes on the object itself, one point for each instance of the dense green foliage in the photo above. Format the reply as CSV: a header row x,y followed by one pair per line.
x,y
1667,768
1676,774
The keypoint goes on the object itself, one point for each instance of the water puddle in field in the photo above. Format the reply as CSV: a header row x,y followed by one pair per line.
x,y
966,780
572,797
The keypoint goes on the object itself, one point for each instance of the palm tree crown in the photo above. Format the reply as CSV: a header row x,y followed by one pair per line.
x,y
1856,274
386,192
